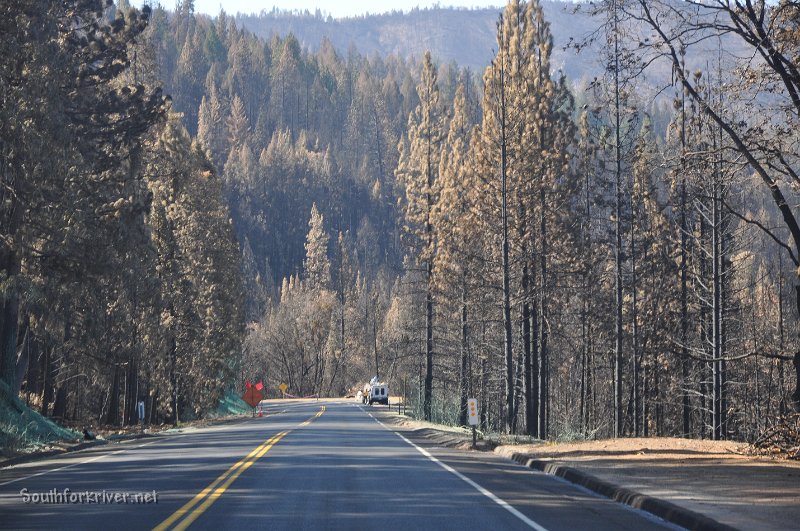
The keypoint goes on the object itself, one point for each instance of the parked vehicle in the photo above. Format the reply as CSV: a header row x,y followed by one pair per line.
x,y
375,391
378,393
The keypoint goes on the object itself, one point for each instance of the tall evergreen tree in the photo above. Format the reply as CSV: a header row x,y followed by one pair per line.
x,y
455,232
317,266
238,124
549,134
497,149
211,127
418,169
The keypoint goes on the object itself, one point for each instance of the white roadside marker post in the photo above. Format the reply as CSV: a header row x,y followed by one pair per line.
x,y
472,416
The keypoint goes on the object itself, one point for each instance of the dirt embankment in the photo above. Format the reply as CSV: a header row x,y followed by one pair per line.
x,y
632,449
722,480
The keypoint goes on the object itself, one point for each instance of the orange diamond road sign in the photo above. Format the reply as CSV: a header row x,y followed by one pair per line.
x,y
252,396
283,387
472,412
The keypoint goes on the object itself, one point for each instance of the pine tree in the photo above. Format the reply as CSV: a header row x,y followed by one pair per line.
x,y
211,127
190,73
523,154
497,148
200,276
418,169
455,233
641,191
238,124
548,134
317,266
344,286
590,174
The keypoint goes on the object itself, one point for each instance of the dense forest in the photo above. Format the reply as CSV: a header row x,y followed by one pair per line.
x,y
119,263
588,258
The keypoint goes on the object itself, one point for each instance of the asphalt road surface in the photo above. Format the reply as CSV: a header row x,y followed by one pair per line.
x,y
306,466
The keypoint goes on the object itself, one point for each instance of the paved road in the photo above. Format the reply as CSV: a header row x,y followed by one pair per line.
x,y
310,465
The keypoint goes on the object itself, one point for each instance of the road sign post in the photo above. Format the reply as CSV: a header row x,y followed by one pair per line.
x,y
253,397
472,417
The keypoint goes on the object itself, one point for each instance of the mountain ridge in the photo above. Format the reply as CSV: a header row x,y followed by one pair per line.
x,y
464,36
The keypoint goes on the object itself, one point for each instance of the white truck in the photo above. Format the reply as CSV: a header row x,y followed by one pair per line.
x,y
375,392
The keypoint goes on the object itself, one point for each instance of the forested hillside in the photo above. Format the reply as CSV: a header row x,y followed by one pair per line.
x,y
453,35
584,258
579,261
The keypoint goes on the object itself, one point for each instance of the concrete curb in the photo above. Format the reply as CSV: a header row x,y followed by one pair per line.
x,y
663,509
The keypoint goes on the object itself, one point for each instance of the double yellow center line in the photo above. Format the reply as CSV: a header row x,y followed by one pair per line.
x,y
211,493
319,414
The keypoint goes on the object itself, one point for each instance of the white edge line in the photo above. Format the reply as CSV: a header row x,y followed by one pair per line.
x,y
502,503
43,472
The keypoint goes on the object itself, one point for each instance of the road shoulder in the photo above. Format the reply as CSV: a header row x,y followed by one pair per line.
x,y
702,485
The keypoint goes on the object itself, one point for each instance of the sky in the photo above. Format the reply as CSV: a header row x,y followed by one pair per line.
x,y
335,8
